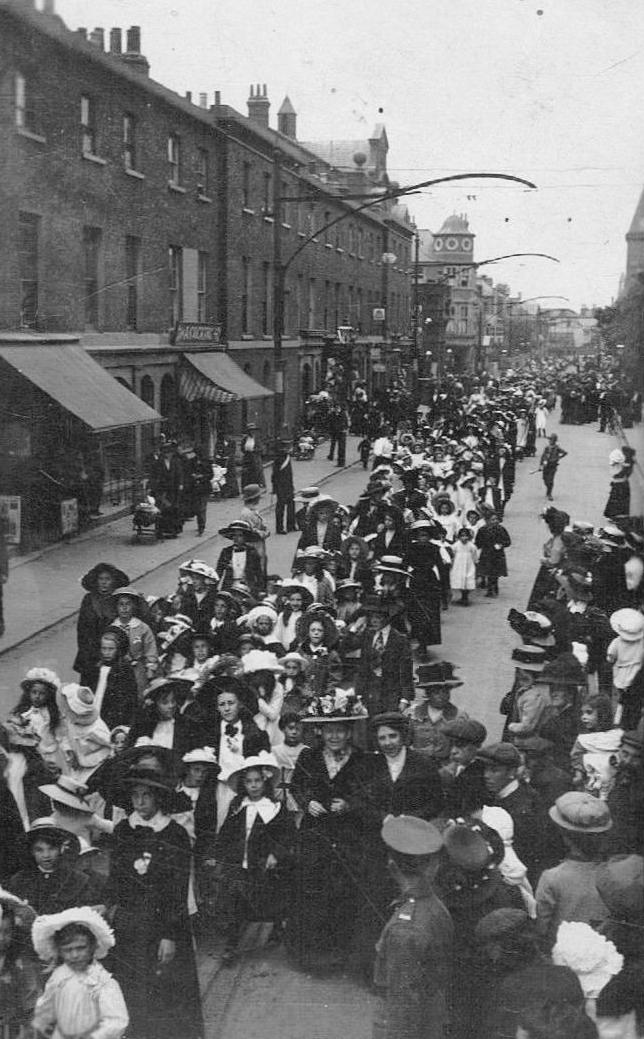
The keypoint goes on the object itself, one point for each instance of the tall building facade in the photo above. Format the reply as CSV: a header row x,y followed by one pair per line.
x,y
447,290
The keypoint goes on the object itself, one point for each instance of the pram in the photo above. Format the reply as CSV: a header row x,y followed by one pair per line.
x,y
145,520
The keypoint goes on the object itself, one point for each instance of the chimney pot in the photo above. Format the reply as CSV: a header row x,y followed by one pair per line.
x,y
82,32
203,100
265,91
134,39
116,41
189,95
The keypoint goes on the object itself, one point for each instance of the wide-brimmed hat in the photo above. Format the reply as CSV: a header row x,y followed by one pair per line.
x,y
252,492
200,567
577,584
340,705
532,626
307,494
159,687
261,660
45,829
40,674
563,670
263,761
293,658
347,585
108,778
201,756
127,591
232,603
437,673
323,501
119,577
529,658
80,699
580,812
263,609
443,499
69,792
45,929
392,565
154,777
240,526
628,623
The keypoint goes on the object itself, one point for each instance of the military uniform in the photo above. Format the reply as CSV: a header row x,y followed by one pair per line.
x,y
413,963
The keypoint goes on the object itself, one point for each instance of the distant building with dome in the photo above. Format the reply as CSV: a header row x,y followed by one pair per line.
x,y
448,296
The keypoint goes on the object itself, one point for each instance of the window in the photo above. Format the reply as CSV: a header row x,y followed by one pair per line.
x,y
286,206
28,228
88,125
327,230
132,261
91,251
174,160
24,113
129,142
175,272
245,296
266,373
463,311
246,185
167,404
147,391
266,298
202,286
327,297
267,200
202,171
311,313
336,305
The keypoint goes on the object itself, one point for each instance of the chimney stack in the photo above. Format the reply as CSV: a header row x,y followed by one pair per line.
x,y
116,41
287,119
189,96
97,38
48,7
82,32
133,56
203,101
258,105
217,97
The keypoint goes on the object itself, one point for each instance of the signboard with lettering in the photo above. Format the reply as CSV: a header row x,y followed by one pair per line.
x,y
378,314
11,518
69,516
194,333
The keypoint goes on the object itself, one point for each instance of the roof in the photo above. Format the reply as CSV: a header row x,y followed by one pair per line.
x,y
637,223
214,376
67,374
286,108
455,224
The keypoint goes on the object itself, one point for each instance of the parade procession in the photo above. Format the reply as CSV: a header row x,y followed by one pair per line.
x,y
321,520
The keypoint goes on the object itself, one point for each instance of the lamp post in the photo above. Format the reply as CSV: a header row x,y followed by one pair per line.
x,y
281,266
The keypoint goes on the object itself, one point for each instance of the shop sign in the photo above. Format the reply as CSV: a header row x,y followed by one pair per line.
x,y
378,314
194,333
69,516
11,517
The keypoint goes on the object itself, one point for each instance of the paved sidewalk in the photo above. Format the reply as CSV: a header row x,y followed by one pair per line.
x,y
44,587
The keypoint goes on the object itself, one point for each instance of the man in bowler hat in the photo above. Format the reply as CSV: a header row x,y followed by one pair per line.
x,y
283,489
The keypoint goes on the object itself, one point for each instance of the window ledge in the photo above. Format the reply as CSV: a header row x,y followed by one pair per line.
x,y
96,159
204,198
352,255
360,257
176,188
268,220
301,234
133,173
339,250
249,212
23,131
287,227
327,245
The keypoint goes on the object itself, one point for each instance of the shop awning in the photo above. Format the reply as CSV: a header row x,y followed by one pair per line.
x,y
75,381
216,378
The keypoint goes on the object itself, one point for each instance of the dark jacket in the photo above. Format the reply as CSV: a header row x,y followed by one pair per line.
x,y
536,841
383,693
65,888
12,852
417,790
254,576
187,734
253,738
120,700
282,478
332,540
95,615
274,838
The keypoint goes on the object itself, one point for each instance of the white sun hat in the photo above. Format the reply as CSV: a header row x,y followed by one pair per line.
x,y
45,928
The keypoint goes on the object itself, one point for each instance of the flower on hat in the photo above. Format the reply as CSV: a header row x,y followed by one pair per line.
x,y
341,703
593,958
261,660
41,674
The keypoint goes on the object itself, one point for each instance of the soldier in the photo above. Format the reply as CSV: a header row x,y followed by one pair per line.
x,y
414,952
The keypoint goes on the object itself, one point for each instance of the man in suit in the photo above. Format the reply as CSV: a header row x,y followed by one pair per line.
x,y
406,782
166,484
282,487
384,675
410,497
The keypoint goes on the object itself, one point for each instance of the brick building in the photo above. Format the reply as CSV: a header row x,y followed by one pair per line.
x,y
129,212
447,283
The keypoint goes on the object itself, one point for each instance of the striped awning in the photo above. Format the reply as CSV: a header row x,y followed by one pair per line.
x,y
214,377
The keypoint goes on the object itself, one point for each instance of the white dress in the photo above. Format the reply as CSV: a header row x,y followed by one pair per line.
x,y
81,1003
462,576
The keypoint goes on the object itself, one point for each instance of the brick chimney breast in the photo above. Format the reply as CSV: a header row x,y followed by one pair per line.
x,y
258,105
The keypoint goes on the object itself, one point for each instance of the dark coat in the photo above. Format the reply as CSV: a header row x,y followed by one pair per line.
x,y
187,734
200,613
626,803
384,693
254,574
12,852
417,791
166,482
120,700
254,739
95,615
332,540
396,546
225,638
536,841
65,888
492,562
282,479
413,500
274,838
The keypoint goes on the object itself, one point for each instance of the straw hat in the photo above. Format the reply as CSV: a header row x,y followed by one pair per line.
x,y
198,566
45,929
628,623
69,792
263,761
201,755
240,525
128,592
40,674
45,829
251,492
261,660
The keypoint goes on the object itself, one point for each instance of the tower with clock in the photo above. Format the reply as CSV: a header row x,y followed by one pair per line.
x,y
448,295
454,243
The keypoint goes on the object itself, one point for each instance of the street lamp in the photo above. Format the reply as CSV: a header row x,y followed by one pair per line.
x,y
281,266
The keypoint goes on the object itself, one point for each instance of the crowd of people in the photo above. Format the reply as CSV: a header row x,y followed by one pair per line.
x,y
293,748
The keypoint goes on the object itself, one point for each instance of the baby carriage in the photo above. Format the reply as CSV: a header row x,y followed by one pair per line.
x,y
304,448
145,520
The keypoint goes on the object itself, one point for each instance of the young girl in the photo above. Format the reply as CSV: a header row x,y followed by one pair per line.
x,y
292,684
114,682
595,747
294,600
38,711
463,571
492,541
262,621
446,513
143,648
80,997
261,669
253,846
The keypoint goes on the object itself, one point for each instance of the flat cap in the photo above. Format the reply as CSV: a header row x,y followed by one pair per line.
x,y
501,754
411,836
466,730
580,812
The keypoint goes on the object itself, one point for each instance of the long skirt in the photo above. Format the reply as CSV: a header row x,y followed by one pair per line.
x,y
619,499
425,616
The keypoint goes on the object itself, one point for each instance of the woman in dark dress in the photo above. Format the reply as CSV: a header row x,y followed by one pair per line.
x,y
424,557
113,680
161,721
329,785
147,898
97,611
492,540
